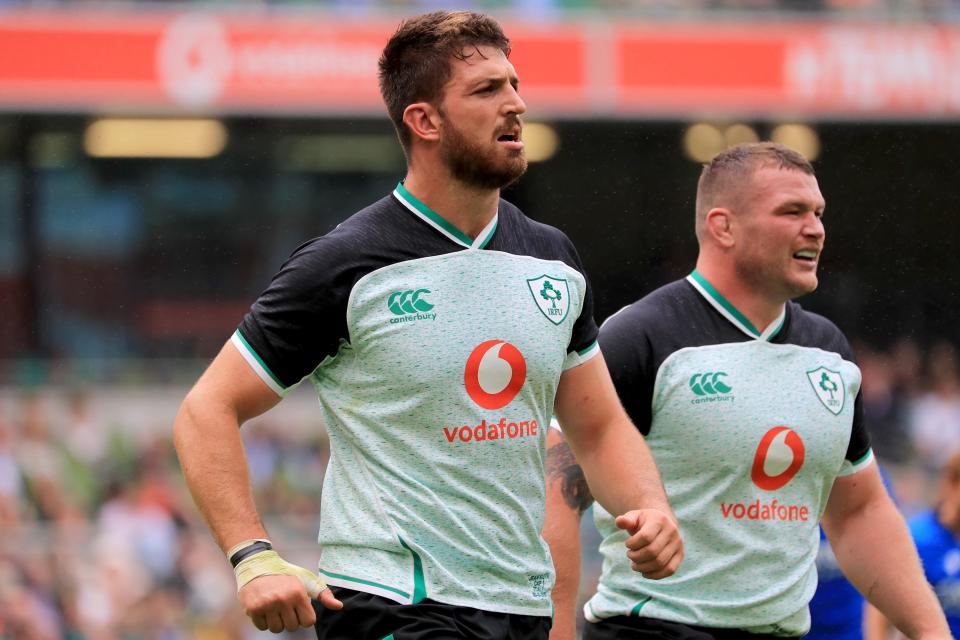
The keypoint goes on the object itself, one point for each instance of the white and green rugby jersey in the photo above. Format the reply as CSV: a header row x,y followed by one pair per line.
x,y
749,430
436,359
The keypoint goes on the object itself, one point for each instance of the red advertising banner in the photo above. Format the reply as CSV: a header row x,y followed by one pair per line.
x,y
829,69
226,63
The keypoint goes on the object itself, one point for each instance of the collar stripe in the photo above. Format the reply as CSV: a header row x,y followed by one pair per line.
x,y
731,313
439,223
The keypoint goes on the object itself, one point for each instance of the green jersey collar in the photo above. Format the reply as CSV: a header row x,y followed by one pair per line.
x,y
439,223
733,314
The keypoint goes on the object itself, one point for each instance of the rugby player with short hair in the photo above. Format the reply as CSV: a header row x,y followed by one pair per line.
x,y
441,328
750,406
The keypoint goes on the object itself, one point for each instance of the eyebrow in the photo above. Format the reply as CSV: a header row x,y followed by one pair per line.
x,y
495,81
802,204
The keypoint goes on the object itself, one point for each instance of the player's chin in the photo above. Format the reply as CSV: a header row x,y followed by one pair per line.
x,y
515,162
809,284
802,283
512,169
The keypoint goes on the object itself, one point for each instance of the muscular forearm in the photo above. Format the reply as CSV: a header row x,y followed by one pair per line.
x,y
567,497
875,625
562,533
208,443
875,551
620,470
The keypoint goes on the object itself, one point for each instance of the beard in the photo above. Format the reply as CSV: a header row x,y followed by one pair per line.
x,y
476,166
774,281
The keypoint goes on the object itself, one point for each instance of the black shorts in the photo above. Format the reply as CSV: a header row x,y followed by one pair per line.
x,y
368,617
630,627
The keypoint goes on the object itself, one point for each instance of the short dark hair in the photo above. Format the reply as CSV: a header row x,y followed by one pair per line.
x,y
415,64
736,164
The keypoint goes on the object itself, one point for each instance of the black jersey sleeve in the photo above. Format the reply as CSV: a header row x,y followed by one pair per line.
x,y
585,331
300,319
859,434
629,355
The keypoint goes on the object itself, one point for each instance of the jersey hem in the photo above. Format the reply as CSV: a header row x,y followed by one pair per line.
x,y
355,584
544,612
772,628
402,597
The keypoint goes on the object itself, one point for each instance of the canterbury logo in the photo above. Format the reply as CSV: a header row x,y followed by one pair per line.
x,y
494,374
778,458
709,383
410,301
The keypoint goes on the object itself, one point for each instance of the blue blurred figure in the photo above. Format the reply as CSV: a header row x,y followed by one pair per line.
x,y
836,611
936,533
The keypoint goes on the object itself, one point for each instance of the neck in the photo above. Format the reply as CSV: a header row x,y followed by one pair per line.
x,y
467,208
759,308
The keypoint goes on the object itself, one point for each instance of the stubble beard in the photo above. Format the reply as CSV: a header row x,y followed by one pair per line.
x,y
478,167
781,288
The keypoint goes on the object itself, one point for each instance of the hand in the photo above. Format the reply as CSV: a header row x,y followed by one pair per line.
x,y
654,547
276,594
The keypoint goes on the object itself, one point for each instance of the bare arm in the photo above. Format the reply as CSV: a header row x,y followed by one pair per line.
x,y
619,467
875,625
206,434
876,552
568,496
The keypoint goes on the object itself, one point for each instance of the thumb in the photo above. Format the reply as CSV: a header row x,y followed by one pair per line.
x,y
310,581
630,521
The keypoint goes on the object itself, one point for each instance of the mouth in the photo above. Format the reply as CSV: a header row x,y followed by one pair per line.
x,y
807,256
511,140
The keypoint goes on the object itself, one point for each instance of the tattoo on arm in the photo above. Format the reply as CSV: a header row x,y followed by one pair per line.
x,y
562,465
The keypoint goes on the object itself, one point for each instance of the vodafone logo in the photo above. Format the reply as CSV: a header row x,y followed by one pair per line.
x,y
195,59
494,374
779,457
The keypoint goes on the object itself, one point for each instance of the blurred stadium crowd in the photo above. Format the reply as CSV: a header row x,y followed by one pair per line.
x,y
101,539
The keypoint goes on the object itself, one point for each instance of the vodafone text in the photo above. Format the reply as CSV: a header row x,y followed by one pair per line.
x,y
492,431
772,510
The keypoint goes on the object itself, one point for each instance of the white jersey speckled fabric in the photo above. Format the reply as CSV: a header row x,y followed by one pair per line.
x,y
749,430
437,396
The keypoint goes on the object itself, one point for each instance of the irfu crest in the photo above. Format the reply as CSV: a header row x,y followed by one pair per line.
x,y
829,388
552,296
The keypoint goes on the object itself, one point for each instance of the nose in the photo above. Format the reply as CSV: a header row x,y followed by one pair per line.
x,y
515,104
814,227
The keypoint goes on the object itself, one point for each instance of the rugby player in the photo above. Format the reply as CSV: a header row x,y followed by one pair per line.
x,y
441,328
750,406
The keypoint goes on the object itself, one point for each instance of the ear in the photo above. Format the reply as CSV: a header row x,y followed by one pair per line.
x,y
719,226
423,120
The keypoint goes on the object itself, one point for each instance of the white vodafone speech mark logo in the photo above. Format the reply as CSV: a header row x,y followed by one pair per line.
x,y
194,59
779,456
494,374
